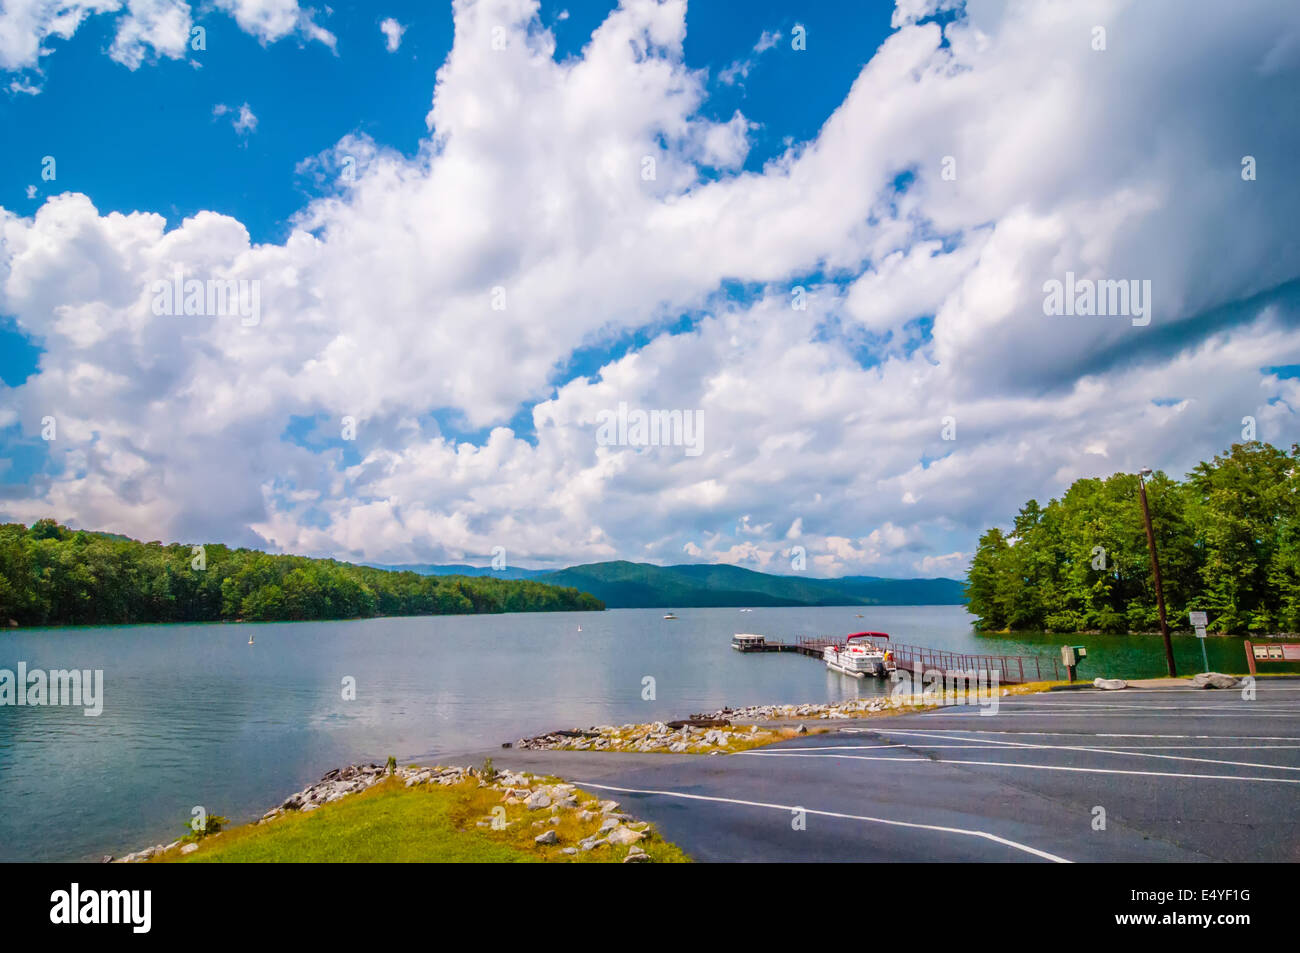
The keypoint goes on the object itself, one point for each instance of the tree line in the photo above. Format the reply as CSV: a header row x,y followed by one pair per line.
x,y
1228,540
53,575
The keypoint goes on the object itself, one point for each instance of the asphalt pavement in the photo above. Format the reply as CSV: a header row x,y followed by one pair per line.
x,y
1146,775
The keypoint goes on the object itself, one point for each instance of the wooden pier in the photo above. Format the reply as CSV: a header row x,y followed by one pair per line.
x,y
917,659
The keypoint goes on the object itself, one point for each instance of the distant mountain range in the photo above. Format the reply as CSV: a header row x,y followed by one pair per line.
x,y
628,585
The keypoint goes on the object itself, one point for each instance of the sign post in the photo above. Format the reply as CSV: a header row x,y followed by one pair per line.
x,y
1199,621
1285,652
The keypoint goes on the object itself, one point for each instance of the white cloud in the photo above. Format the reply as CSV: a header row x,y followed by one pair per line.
x,y
392,31
740,69
145,28
243,120
380,304
158,26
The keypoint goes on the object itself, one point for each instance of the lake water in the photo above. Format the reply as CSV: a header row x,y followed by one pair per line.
x,y
193,715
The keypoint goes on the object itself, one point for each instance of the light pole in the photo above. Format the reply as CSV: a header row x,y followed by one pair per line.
x,y
1155,570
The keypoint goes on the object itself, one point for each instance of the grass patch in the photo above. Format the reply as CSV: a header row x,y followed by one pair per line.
x,y
391,823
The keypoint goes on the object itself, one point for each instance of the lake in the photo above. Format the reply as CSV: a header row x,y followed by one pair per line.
x,y
194,715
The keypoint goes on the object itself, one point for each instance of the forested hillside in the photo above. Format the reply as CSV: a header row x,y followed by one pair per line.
x,y
623,584
1228,537
52,575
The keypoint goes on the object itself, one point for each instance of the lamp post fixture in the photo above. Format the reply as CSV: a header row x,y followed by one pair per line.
x,y
1155,570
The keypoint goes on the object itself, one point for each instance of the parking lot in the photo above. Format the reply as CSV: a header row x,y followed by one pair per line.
x,y
1135,775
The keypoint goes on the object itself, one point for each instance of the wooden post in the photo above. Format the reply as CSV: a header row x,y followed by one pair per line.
x,y
1155,571
1250,657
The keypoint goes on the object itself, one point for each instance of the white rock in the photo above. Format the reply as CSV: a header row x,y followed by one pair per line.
x,y
623,835
1215,680
550,837
189,848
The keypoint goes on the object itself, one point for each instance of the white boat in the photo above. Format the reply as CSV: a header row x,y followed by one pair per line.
x,y
670,616
744,641
860,658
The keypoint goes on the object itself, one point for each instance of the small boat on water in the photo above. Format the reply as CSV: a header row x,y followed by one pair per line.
x,y
250,640
670,616
747,641
859,657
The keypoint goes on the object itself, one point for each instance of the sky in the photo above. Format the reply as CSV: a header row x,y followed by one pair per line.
x,y
470,236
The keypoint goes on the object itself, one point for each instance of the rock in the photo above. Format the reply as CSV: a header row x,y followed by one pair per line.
x,y
801,730
641,858
568,850
623,835
538,800
189,848
1110,684
550,837
1215,680
106,859
608,807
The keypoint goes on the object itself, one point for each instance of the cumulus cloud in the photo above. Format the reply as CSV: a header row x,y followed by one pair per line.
x,y
740,69
558,208
145,28
392,31
243,120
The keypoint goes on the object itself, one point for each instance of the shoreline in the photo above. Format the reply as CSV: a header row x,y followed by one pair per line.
x,y
560,820
724,731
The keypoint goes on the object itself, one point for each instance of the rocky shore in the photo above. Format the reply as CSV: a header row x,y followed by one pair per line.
x,y
655,738
550,802
718,732
853,708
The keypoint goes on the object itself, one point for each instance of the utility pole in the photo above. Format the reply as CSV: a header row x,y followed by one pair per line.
x,y
1155,570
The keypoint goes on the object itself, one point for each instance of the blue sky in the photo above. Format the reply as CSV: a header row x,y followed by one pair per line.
x,y
800,271
147,139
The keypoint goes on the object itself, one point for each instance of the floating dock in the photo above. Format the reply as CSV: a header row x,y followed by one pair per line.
x,y
917,659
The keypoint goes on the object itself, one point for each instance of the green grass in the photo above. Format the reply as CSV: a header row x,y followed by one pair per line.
x,y
391,823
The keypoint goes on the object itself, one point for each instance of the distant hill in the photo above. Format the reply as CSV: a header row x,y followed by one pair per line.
x,y
628,585
429,569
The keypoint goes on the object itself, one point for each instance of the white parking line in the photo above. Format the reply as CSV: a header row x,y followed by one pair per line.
x,y
1033,767
1220,706
998,744
963,713
1259,688
1083,734
850,817
1022,745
